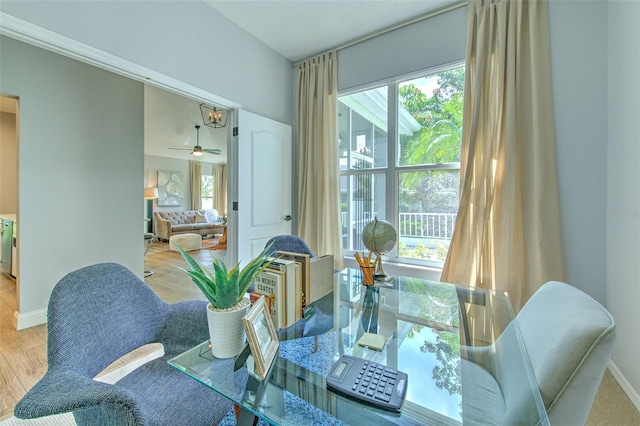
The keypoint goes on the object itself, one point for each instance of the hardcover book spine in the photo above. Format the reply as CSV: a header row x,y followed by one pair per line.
x,y
288,269
271,284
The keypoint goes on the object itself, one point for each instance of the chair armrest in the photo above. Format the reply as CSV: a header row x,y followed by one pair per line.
x,y
162,226
185,327
64,391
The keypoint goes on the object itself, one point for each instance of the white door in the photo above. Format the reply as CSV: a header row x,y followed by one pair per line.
x,y
264,183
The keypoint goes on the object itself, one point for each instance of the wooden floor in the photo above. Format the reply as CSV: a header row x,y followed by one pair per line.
x,y
23,358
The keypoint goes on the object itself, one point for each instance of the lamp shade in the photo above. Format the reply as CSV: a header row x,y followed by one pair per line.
x,y
150,193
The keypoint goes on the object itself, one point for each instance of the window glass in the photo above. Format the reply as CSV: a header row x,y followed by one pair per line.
x,y
362,128
428,204
362,198
206,182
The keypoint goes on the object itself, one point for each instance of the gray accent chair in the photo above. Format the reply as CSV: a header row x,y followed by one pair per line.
x,y
96,315
568,337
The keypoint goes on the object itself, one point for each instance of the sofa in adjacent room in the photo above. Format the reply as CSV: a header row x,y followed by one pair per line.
x,y
203,222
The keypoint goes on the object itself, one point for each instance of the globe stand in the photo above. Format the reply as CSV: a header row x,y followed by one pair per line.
x,y
380,274
380,237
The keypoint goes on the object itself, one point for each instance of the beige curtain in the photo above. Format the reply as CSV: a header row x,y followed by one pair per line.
x,y
318,174
507,234
220,188
195,180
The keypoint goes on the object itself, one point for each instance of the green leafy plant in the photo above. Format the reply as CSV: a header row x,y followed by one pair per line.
x,y
224,288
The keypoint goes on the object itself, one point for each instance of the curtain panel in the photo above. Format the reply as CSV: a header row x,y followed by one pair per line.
x,y
318,173
220,188
195,183
507,233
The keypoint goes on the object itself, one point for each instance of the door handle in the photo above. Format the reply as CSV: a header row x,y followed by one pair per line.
x,y
288,218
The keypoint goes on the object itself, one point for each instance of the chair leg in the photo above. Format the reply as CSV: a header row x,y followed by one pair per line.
x,y
148,240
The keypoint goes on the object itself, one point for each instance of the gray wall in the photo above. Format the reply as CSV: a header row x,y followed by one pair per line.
x,y
578,32
186,40
623,185
80,169
430,43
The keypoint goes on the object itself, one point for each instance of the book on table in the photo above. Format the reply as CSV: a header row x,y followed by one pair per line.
x,y
270,283
288,268
291,282
302,277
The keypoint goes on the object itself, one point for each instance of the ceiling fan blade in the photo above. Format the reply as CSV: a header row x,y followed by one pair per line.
x,y
183,149
213,151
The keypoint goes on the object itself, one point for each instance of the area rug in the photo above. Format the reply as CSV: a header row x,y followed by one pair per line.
x,y
213,245
303,352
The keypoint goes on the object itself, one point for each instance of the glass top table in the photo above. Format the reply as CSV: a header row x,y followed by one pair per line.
x,y
461,348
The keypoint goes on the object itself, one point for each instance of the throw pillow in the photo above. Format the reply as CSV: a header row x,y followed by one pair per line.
x,y
212,215
200,218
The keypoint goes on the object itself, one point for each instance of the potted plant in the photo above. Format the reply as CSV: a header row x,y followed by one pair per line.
x,y
225,290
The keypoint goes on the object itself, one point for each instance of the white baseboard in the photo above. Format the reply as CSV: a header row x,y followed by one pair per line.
x,y
625,385
29,319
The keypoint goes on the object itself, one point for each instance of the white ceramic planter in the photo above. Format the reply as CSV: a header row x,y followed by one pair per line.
x,y
225,329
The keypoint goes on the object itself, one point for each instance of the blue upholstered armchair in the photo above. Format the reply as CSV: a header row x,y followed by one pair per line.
x,y
96,315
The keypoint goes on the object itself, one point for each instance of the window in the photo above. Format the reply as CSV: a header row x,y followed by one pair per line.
x,y
206,193
399,156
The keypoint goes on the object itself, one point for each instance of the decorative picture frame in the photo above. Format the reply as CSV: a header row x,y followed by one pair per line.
x,y
170,188
262,336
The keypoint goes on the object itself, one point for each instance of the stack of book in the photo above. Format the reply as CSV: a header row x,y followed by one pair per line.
x,y
291,282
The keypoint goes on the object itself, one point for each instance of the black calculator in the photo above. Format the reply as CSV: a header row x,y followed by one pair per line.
x,y
368,382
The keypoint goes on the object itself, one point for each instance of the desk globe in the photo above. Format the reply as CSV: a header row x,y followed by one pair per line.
x,y
380,237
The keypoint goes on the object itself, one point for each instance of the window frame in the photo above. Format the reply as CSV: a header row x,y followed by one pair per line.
x,y
393,170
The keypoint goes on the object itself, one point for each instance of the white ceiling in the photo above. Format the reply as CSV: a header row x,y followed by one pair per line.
x,y
298,29
169,122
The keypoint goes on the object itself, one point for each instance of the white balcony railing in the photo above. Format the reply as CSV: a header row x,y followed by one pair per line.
x,y
438,226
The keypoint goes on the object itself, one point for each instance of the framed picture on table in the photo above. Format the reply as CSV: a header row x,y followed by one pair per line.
x,y
262,336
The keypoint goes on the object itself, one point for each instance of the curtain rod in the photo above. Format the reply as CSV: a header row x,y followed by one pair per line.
x,y
388,29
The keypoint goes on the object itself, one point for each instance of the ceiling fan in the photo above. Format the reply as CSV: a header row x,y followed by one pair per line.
x,y
198,150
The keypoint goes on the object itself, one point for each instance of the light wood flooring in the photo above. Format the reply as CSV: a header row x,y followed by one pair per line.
x,y
23,358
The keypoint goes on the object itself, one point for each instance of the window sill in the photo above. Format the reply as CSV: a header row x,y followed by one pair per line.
x,y
402,269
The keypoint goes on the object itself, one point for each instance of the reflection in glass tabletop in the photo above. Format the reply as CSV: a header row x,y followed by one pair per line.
x,y
454,343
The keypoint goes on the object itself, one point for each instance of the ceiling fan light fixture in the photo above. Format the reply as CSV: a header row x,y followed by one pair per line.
x,y
212,117
197,151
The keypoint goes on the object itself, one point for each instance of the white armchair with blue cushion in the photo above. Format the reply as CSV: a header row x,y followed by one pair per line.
x,y
96,315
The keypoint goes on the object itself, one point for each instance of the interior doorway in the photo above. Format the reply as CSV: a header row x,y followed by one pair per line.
x,y
8,154
9,264
175,135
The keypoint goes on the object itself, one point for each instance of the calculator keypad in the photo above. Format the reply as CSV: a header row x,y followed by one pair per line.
x,y
371,382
